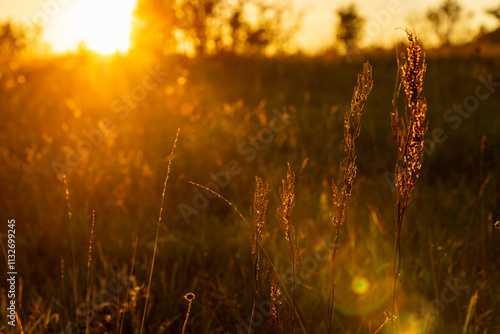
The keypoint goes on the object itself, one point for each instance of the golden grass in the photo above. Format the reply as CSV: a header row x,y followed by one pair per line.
x,y
222,198
284,216
87,299
128,283
189,297
470,312
276,299
340,199
408,132
72,237
283,290
198,252
158,227
261,201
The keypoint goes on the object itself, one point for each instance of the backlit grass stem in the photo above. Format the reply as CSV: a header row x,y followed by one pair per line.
x,y
87,322
158,228
284,216
72,237
261,201
352,128
408,131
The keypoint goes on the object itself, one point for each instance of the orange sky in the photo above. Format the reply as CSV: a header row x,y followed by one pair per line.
x,y
66,22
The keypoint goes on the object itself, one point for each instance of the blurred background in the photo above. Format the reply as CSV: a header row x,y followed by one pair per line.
x,y
96,90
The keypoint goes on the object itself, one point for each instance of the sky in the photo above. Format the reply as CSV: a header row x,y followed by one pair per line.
x,y
382,18
66,22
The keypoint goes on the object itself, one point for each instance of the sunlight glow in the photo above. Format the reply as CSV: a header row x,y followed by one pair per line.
x,y
104,26
360,285
415,327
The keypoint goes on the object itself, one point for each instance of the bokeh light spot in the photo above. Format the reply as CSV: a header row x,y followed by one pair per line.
x,y
360,285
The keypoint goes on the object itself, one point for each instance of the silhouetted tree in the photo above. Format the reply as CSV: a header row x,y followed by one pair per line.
x,y
350,26
195,22
161,25
211,26
271,26
444,19
235,24
495,12
12,38
154,26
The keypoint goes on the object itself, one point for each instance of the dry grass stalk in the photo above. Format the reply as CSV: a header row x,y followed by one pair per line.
x,y
62,273
222,198
409,133
352,128
88,273
129,282
284,289
189,297
284,216
158,227
70,216
470,312
276,299
260,203
63,294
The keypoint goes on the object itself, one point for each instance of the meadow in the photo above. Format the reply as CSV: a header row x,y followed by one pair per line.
x,y
109,124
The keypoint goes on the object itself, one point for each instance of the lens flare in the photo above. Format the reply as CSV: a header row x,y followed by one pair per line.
x,y
360,285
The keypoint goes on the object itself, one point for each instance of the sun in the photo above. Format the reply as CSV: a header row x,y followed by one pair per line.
x,y
103,25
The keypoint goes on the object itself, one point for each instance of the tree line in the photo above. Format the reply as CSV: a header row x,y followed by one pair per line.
x,y
204,27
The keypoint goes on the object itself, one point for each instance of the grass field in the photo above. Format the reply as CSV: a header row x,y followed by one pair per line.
x,y
110,123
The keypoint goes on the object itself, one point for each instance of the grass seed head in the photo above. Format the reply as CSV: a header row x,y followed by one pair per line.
x,y
190,296
409,130
284,212
259,210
